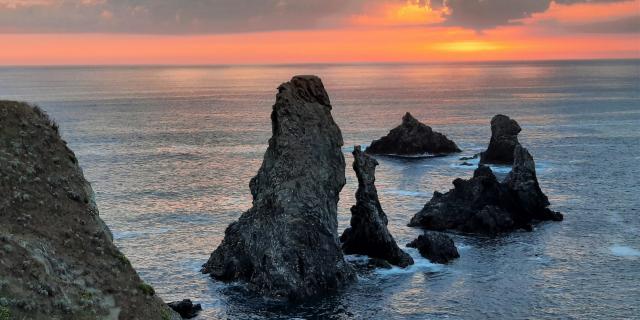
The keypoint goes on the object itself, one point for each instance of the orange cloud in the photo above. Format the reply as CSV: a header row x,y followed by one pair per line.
x,y
355,45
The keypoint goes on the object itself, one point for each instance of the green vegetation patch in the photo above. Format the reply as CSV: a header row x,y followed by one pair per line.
x,y
165,314
5,313
146,289
123,258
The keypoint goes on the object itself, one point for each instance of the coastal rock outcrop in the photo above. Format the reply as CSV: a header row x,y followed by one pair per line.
x,y
286,246
368,233
435,246
57,258
504,139
523,184
482,204
185,308
412,138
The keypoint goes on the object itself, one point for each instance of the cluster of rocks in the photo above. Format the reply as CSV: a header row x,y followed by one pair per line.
x,y
485,205
285,246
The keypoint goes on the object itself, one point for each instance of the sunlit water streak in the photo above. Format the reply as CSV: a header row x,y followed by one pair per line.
x,y
170,151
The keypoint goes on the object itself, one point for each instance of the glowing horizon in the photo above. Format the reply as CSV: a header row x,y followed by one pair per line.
x,y
392,31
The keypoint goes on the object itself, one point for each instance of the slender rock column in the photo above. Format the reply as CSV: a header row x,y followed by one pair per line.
x,y
368,233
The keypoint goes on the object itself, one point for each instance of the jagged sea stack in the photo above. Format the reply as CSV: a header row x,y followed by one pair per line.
x,y
368,234
522,182
287,244
412,138
57,258
482,204
504,139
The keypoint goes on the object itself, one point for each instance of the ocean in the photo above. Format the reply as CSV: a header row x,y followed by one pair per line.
x,y
170,151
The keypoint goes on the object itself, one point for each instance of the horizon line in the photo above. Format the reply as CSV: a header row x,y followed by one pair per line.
x,y
343,63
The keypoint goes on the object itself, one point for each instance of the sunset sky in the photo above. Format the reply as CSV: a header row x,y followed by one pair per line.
x,y
54,32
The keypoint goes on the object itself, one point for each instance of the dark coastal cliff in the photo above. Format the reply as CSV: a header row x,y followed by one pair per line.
x,y
57,258
287,244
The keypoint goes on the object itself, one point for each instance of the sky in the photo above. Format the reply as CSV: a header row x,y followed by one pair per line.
x,y
105,32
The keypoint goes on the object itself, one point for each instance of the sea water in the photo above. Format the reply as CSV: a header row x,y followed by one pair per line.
x,y
170,152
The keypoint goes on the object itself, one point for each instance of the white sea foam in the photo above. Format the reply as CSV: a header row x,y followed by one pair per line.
x,y
420,265
624,251
349,149
356,258
540,166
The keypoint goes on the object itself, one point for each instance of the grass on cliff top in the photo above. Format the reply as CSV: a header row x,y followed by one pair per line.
x,y
26,107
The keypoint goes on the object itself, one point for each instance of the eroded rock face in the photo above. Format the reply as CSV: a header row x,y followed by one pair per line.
x,y
482,204
523,183
287,244
57,259
435,246
412,138
504,139
368,234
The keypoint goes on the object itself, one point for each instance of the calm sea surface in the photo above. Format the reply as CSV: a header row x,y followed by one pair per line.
x,y
170,151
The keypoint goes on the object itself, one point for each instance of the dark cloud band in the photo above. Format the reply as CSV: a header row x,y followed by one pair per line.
x,y
234,16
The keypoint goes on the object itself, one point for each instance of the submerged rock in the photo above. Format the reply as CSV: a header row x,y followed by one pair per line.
x,y
412,138
482,204
287,244
435,246
368,234
504,139
185,308
57,258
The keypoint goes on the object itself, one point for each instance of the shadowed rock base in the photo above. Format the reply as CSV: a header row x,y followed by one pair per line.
x,y
287,244
412,138
484,205
368,234
435,246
